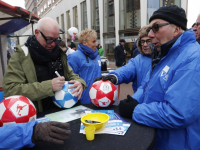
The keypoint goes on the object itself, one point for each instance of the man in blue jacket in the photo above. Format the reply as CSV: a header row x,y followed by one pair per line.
x,y
171,99
16,136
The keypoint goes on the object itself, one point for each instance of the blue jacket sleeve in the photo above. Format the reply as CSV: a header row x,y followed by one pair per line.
x,y
181,104
16,136
125,74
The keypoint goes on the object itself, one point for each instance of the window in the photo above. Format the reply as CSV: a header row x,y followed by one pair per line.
x,y
95,16
68,22
153,5
49,2
45,6
75,17
63,25
109,16
130,14
84,23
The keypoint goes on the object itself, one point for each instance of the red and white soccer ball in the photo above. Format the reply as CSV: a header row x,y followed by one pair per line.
x,y
103,93
16,109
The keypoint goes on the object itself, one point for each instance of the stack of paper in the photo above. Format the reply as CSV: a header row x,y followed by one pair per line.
x,y
116,125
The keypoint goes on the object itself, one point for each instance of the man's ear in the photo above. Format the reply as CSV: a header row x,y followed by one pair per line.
x,y
177,31
36,32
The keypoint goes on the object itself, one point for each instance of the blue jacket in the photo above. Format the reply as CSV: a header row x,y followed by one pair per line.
x,y
87,71
171,100
133,71
16,136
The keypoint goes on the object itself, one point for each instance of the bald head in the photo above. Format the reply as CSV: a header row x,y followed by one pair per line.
x,y
46,23
49,29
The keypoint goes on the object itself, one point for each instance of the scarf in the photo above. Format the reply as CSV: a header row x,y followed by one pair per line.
x,y
88,51
45,62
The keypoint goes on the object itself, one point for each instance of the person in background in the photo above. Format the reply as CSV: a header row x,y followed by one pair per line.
x,y
8,55
171,90
85,61
196,29
17,136
100,50
63,46
71,48
31,69
136,68
135,50
120,54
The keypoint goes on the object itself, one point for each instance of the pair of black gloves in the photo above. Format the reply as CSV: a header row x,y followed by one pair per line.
x,y
126,106
53,132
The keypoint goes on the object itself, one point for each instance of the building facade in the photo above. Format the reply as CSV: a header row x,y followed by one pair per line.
x,y
112,19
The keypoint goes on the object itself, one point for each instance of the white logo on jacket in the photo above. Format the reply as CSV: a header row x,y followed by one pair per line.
x,y
164,73
99,61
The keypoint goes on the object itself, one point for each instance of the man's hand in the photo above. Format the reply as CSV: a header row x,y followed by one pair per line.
x,y
78,88
53,132
127,106
111,78
57,83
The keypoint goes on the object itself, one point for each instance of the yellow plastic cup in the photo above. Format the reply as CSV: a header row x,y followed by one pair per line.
x,y
89,131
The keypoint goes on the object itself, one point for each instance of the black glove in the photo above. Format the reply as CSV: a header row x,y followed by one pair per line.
x,y
54,132
127,106
111,78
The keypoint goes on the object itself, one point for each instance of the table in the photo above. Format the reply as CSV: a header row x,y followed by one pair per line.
x,y
138,137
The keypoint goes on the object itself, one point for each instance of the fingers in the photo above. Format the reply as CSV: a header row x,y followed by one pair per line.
x,y
59,124
57,83
78,88
60,130
53,140
97,79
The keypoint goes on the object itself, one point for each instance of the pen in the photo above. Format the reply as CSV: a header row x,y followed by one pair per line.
x,y
56,72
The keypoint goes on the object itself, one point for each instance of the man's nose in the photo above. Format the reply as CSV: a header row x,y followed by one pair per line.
x,y
151,34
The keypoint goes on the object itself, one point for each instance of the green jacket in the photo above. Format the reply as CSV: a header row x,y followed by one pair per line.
x,y
20,78
101,51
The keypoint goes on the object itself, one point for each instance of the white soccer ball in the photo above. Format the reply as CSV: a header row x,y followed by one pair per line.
x,y
64,98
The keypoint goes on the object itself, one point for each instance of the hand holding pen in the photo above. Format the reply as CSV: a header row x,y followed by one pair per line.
x,y
57,83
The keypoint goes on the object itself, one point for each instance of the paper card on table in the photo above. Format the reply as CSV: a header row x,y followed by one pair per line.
x,y
68,114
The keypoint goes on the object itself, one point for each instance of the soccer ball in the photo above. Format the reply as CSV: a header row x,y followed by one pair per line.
x,y
103,93
64,98
16,109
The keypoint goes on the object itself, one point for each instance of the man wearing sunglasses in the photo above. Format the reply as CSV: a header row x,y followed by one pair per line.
x,y
196,29
31,69
171,90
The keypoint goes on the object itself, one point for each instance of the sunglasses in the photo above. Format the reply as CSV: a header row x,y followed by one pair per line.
x,y
148,41
49,41
155,27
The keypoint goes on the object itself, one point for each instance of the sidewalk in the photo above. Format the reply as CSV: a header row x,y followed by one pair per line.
x,y
125,89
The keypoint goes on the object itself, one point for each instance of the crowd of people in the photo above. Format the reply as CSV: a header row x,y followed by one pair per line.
x,y
164,72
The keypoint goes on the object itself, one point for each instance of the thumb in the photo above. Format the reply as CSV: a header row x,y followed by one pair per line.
x,y
129,98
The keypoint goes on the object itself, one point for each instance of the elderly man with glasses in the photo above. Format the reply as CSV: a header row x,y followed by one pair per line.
x,y
171,89
31,69
196,29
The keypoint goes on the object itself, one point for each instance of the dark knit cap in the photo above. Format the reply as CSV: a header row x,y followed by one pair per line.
x,y
173,14
122,40
72,45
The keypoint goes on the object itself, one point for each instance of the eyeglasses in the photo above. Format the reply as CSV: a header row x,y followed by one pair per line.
x,y
49,41
197,24
155,27
148,41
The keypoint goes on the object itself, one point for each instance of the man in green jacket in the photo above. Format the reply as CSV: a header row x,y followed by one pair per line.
x,y
31,69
